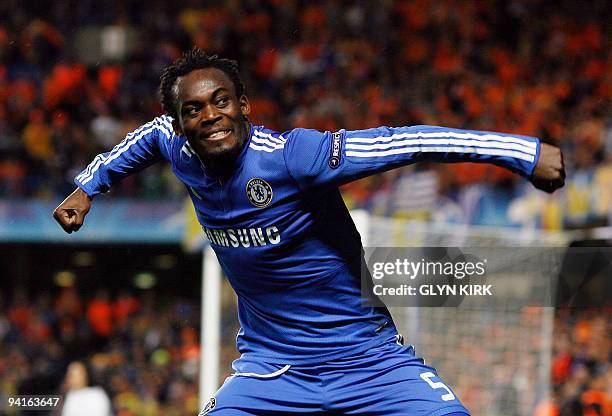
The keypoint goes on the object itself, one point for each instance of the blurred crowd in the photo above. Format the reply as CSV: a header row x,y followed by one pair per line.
x,y
581,365
531,67
143,350
534,67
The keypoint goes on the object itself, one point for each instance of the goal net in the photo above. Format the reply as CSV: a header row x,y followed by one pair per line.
x,y
496,356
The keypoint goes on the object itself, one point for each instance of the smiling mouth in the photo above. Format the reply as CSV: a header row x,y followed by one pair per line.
x,y
217,135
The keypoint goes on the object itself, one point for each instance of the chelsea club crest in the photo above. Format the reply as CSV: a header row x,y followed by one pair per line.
x,y
259,192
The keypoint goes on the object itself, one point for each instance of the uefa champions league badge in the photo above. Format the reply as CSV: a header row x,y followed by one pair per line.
x,y
259,192
335,152
210,405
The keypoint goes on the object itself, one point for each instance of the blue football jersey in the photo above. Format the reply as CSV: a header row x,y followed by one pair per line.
x,y
281,231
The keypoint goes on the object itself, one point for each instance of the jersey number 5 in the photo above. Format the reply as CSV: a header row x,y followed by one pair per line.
x,y
438,385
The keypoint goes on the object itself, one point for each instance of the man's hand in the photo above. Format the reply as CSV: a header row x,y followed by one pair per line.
x,y
549,173
71,213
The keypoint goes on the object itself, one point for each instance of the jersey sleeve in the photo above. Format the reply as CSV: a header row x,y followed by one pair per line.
x,y
319,159
143,147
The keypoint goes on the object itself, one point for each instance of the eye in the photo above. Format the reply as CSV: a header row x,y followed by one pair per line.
x,y
222,101
190,111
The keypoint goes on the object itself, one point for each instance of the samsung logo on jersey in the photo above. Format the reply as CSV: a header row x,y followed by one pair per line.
x,y
243,237
335,151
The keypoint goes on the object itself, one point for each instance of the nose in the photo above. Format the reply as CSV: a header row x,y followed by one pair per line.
x,y
210,115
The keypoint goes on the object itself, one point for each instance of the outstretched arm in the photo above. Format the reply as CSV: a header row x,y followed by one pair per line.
x,y
327,159
141,148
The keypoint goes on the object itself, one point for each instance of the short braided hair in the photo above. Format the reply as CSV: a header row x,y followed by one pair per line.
x,y
190,61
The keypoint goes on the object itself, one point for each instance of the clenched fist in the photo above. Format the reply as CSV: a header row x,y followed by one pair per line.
x,y
549,173
71,212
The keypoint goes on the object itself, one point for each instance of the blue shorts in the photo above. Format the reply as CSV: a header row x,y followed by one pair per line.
x,y
386,380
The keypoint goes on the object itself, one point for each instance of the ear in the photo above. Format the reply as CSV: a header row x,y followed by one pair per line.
x,y
176,126
245,105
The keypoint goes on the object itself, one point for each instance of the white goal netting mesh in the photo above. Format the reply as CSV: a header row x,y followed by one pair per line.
x,y
495,357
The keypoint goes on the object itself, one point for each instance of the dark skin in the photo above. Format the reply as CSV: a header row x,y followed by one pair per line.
x,y
213,119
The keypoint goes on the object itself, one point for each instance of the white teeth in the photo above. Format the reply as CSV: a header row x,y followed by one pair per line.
x,y
218,134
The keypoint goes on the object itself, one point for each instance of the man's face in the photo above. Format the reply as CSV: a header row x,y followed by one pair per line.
x,y
210,114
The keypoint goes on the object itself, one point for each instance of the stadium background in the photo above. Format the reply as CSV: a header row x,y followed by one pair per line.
x,y
76,76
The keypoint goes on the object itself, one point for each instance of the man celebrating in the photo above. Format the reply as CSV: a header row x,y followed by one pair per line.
x,y
270,206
